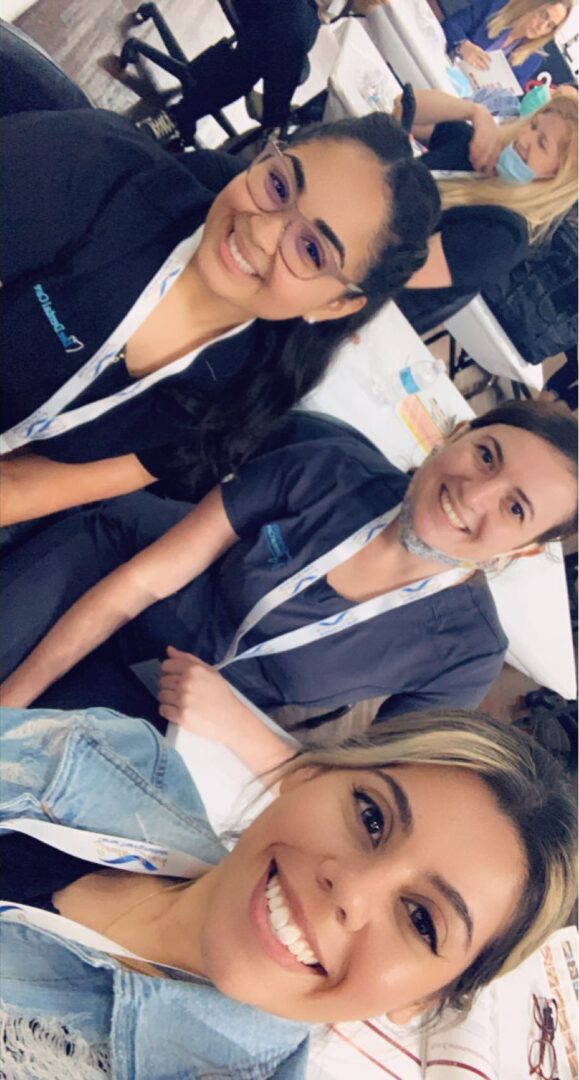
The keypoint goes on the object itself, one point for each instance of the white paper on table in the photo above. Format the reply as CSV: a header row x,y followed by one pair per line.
x,y
498,74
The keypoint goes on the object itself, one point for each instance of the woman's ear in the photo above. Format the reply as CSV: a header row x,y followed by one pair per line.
x,y
404,1016
527,551
337,309
458,430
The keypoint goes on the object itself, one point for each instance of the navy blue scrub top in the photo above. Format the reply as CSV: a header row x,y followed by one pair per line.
x,y
316,482
93,208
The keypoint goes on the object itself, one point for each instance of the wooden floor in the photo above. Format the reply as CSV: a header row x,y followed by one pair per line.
x,y
82,36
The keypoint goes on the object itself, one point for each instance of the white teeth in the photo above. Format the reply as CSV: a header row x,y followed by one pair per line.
x,y
449,511
238,257
285,931
279,917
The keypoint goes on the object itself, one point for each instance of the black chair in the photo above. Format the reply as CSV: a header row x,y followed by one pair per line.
x,y
175,62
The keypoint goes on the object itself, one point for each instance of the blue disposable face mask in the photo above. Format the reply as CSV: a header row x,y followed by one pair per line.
x,y
512,168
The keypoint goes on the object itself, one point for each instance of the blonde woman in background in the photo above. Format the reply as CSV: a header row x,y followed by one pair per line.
x,y
518,28
501,188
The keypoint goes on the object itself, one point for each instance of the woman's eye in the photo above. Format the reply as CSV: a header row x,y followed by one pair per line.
x,y
423,925
311,252
277,187
370,815
485,455
517,511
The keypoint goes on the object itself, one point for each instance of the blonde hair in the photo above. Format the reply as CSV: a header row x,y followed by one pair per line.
x,y
530,790
543,203
514,10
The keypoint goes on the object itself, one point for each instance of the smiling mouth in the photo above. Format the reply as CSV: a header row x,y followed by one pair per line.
x,y
239,260
521,153
283,926
450,512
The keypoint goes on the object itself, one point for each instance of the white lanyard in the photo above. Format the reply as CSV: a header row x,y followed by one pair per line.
x,y
343,620
136,856
48,420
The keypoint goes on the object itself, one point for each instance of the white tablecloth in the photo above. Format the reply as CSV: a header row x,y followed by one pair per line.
x,y
359,72
531,594
411,39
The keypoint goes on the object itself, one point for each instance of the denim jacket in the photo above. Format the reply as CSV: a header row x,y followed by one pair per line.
x,y
101,771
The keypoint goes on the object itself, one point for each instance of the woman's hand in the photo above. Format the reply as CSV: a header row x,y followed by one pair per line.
x,y
197,698
485,145
474,55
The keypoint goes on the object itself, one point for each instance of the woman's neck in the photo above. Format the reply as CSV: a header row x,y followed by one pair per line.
x,y
383,565
158,919
213,314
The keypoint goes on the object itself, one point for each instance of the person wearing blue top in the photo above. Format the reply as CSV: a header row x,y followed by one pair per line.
x,y
518,28
397,873
189,578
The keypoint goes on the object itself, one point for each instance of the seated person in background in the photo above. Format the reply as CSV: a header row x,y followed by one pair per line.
x,y
397,874
501,189
321,574
519,28
272,43
140,313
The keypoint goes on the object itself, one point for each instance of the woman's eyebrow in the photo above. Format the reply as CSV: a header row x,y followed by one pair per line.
x,y
331,236
456,901
299,175
500,458
401,799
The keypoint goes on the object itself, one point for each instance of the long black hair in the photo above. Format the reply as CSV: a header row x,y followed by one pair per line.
x,y
289,357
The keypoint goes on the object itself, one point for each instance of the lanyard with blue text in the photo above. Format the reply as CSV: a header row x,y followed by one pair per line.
x,y
119,853
343,620
49,420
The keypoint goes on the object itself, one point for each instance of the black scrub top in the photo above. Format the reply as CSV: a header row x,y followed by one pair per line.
x,y
481,243
92,208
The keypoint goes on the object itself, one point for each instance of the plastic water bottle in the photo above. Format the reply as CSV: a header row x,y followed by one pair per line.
x,y
407,380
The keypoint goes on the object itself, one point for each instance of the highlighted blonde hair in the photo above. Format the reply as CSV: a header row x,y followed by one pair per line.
x,y
530,790
543,203
514,10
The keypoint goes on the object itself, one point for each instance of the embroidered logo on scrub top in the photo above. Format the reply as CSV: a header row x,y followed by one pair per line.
x,y
276,543
70,342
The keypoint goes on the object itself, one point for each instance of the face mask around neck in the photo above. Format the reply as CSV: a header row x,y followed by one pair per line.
x,y
512,168
412,543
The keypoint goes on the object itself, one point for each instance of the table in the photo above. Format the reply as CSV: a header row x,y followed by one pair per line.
x,y
359,74
531,594
481,334
410,37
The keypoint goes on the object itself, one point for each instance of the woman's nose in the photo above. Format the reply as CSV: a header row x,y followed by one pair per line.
x,y
350,892
482,494
266,231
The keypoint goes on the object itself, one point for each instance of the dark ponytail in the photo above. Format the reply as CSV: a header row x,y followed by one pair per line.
x,y
290,357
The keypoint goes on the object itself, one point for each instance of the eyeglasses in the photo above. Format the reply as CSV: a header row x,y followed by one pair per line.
x,y
274,186
542,1057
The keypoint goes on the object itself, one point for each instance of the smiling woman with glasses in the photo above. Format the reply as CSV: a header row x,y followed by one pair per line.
x,y
397,873
151,330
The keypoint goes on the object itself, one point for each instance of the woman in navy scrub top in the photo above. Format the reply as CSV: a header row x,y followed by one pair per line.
x,y
503,485
294,255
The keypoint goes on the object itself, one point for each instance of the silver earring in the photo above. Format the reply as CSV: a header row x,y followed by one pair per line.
x,y
310,320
